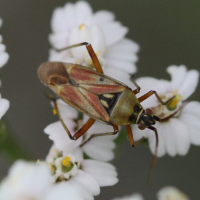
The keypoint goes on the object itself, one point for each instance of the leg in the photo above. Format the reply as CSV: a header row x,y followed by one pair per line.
x,y
170,116
116,130
153,163
148,94
93,56
80,132
84,128
136,85
130,137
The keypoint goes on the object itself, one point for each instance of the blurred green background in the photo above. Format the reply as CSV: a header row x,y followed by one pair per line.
x,y
167,31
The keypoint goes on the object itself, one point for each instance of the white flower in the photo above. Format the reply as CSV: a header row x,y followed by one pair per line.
x,y
62,191
175,134
4,105
166,193
100,148
3,55
132,197
171,193
76,23
65,167
25,181
84,175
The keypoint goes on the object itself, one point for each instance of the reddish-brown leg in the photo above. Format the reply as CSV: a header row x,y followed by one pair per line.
x,y
150,93
130,137
84,128
93,56
116,130
81,131
98,67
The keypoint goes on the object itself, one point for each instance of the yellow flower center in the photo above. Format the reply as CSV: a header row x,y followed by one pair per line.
x,y
81,26
66,161
173,103
173,99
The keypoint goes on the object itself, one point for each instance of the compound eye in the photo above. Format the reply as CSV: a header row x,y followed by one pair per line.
x,y
148,112
141,126
132,117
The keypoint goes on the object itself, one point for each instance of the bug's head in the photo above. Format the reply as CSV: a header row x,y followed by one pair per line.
x,y
146,119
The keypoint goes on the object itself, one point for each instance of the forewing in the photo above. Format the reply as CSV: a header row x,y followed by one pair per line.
x,y
84,101
82,75
86,90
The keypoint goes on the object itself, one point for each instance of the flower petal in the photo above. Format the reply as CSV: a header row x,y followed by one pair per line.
x,y
171,193
83,11
128,67
138,134
114,32
104,173
4,105
58,21
100,148
87,182
3,58
190,84
178,74
62,191
147,84
125,50
161,143
173,138
59,40
103,16
190,116
61,139
66,111
119,75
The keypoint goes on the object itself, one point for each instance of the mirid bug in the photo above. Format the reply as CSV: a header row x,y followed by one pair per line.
x,y
100,97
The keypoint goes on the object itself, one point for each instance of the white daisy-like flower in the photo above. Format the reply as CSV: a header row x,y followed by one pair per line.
x,y
86,176
28,180
25,181
100,148
61,191
4,105
176,133
76,23
171,193
65,167
3,54
166,193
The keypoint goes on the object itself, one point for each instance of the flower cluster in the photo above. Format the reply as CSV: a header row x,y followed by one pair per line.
x,y
76,23
177,133
28,180
77,169
166,193
4,103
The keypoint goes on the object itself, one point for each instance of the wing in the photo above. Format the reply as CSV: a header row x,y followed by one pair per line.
x,y
90,92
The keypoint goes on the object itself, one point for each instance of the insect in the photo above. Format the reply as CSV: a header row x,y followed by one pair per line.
x,y
100,97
